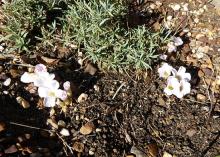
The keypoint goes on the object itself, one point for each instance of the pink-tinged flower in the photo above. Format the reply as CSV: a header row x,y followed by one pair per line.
x,y
66,85
39,68
171,47
177,41
181,74
52,93
165,70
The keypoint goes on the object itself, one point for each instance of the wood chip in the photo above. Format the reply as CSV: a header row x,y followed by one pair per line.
x,y
24,103
78,146
87,128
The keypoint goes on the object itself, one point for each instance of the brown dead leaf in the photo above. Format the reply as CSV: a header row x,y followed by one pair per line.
x,y
24,103
2,126
87,128
47,60
152,150
14,73
90,68
62,51
78,146
53,123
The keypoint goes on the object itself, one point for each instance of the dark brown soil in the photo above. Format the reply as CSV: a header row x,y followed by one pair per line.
x,y
128,110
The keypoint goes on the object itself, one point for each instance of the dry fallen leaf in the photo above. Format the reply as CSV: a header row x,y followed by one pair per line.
x,y
47,61
53,123
24,103
87,128
2,126
78,146
153,150
91,69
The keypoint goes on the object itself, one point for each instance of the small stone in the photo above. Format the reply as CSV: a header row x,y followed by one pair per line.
x,y
91,151
201,97
27,136
98,130
175,7
1,48
7,82
130,155
96,88
61,123
165,154
161,101
190,132
65,132
82,98
196,20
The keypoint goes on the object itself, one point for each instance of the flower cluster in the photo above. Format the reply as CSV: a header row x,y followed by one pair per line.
x,y
177,83
172,46
48,87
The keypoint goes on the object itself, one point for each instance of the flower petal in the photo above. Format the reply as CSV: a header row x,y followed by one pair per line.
x,y
177,41
43,92
49,101
61,94
40,68
28,77
171,47
181,70
66,85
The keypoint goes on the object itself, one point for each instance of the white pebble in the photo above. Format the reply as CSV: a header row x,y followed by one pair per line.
x,y
175,7
7,82
65,132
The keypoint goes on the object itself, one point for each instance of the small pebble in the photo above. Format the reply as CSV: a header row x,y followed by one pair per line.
x,y
61,123
65,132
82,98
7,82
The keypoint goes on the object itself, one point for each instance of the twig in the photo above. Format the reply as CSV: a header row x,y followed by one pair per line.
x,y
118,90
31,127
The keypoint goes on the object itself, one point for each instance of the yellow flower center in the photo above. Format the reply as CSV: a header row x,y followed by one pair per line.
x,y
170,87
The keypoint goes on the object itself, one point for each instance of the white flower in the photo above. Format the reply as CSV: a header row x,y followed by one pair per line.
x,y
163,57
171,47
173,86
183,89
176,87
177,41
39,78
51,94
181,74
165,70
